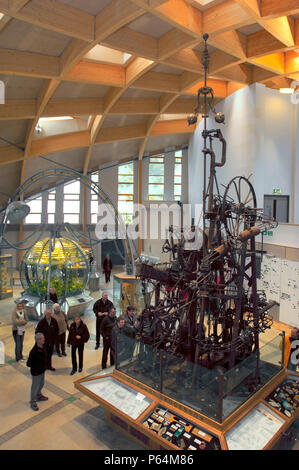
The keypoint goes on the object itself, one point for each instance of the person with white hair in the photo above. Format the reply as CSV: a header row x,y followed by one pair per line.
x,y
61,319
49,327
37,361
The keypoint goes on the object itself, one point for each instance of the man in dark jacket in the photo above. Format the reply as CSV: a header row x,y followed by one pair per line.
x,y
131,322
106,330
49,327
107,268
78,336
101,309
37,361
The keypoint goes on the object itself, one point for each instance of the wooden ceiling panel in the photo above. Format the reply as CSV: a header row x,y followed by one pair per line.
x,y
22,36
42,50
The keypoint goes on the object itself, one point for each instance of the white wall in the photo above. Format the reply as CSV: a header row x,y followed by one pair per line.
x,y
262,134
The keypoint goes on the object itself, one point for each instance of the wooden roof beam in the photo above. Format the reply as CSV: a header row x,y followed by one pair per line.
x,y
54,16
273,62
10,154
178,13
29,64
263,43
232,42
133,42
172,127
17,109
274,8
59,143
123,133
103,74
224,17
281,28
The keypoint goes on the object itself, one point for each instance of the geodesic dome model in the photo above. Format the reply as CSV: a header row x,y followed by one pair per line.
x,y
66,261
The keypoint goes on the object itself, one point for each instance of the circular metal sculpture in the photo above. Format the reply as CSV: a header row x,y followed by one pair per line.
x,y
56,262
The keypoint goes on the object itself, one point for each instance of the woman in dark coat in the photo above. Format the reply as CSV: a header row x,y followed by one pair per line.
x,y
78,336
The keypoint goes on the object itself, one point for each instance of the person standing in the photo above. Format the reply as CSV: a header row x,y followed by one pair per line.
x,y
131,322
37,361
107,268
106,329
101,309
61,318
52,295
78,336
119,342
19,322
49,327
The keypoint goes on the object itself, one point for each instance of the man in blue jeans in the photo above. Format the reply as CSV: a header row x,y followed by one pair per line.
x,y
37,361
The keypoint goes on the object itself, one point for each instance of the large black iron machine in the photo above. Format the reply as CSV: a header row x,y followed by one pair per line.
x,y
207,308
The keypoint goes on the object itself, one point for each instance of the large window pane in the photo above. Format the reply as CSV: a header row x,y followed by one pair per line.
x,y
178,169
70,207
125,188
126,191
177,189
127,169
72,188
51,207
35,205
156,169
94,207
126,179
155,189
156,178
33,219
51,218
71,218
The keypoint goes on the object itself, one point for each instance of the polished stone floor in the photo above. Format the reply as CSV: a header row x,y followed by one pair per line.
x,y
69,419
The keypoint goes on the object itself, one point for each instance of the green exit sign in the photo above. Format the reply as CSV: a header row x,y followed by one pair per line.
x,y
268,233
276,191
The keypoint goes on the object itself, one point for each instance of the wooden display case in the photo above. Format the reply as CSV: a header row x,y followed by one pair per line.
x,y
6,277
255,416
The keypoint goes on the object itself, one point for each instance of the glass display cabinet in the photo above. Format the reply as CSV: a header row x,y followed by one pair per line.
x,y
127,291
6,276
56,262
164,402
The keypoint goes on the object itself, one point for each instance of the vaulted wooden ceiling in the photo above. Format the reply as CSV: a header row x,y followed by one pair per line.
x,y
129,71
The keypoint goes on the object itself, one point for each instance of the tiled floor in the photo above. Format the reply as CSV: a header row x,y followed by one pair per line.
x,y
69,420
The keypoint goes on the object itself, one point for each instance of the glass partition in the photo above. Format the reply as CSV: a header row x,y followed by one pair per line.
x,y
214,393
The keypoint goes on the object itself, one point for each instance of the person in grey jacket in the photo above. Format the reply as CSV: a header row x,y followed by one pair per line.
x,y
19,322
131,322
61,319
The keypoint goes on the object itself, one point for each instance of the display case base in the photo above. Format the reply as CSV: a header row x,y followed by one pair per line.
x,y
255,425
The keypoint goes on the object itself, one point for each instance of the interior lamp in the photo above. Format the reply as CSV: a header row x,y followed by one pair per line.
x,y
287,91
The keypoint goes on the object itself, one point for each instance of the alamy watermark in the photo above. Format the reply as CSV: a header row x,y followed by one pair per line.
x,y
156,221
295,354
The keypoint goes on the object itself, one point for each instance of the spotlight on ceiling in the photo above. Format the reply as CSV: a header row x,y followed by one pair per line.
x,y
38,129
17,211
192,119
287,91
219,118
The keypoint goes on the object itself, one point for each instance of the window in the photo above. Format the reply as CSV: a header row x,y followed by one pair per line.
x,y
35,215
71,203
51,206
178,175
156,178
94,200
126,192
